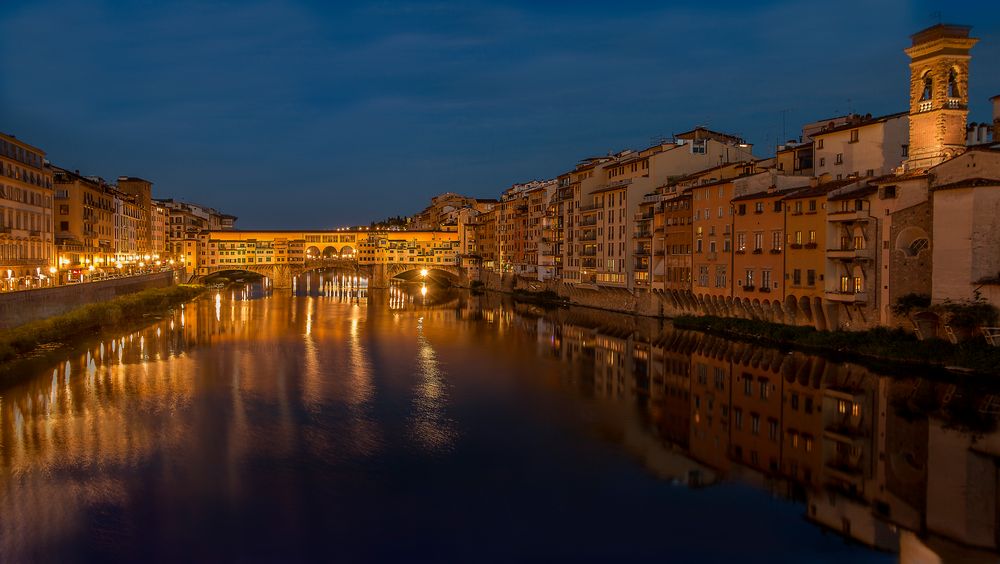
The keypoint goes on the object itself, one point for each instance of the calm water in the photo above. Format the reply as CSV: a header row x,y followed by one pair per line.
x,y
339,425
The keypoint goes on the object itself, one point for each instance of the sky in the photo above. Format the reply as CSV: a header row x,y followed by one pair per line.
x,y
315,114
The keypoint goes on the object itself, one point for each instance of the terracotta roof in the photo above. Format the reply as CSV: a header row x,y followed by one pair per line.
x,y
810,192
863,190
766,194
967,183
857,124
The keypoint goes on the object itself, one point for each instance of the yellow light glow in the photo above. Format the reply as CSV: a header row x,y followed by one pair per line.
x,y
423,272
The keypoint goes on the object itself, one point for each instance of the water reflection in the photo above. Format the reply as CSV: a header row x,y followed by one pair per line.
x,y
300,413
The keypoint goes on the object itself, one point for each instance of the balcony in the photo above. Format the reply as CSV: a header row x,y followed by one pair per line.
x,y
591,208
644,215
588,236
849,253
643,233
588,263
954,104
849,215
641,266
588,221
847,297
24,262
588,252
652,198
34,233
642,252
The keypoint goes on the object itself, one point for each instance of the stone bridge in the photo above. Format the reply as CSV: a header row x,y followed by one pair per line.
x,y
377,274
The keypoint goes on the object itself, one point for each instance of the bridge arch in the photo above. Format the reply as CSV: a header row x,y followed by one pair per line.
x,y
330,252
312,252
347,251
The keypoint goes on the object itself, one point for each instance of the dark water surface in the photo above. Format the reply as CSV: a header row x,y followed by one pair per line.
x,y
342,425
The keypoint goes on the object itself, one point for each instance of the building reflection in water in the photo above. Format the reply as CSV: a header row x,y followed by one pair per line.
x,y
904,464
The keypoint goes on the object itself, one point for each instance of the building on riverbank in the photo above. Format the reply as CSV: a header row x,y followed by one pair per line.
x,y
833,232
85,224
27,242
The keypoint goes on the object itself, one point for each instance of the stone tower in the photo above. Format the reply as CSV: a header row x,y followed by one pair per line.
x,y
939,93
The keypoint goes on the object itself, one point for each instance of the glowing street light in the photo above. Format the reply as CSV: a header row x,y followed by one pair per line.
x,y
423,272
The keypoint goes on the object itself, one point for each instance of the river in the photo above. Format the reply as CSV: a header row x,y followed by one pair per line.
x,y
339,424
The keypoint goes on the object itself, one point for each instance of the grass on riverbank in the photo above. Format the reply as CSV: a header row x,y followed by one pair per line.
x,y
92,317
878,344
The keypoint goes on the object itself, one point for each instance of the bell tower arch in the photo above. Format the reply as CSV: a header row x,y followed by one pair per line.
x,y
939,93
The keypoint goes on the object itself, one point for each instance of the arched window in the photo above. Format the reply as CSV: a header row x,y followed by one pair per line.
x,y
928,88
953,84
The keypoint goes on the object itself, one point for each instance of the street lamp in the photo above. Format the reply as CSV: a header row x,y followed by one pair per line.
x,y
423,272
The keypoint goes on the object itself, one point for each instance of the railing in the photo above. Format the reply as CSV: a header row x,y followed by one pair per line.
x,y
591,207
846,297
588,221
850,253
954,104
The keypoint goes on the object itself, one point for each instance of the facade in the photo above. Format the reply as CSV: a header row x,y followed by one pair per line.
x,y
84,225
27,242
966,229
863,146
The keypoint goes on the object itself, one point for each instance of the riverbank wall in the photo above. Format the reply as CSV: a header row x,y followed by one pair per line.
x,y
676,303
18,308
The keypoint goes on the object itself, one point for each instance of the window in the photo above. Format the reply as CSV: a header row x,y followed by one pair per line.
x,y
755,424
765,279
839,159
758,207
748,284
758,240
928,87
796,277
720,277
742,210
798,206
810,277
819,144
703,275
741,242
906,150
822,161
888,192
747,385
812,205
812,237
772,429
738,418
776,240
765,389
854,136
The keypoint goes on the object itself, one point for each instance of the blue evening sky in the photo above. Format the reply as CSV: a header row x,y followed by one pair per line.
x,y
318,114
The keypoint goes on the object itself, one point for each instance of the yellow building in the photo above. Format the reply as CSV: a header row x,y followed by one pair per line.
x,y
85,225
27,246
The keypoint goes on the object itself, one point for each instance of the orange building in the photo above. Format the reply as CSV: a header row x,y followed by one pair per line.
x,y
758,257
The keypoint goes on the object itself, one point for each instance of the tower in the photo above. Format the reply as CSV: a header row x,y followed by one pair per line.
x,y
939,93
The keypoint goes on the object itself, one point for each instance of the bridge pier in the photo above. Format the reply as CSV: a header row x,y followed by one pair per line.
x,y
379,276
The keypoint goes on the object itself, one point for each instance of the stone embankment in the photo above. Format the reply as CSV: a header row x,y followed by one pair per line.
x,y
18,308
